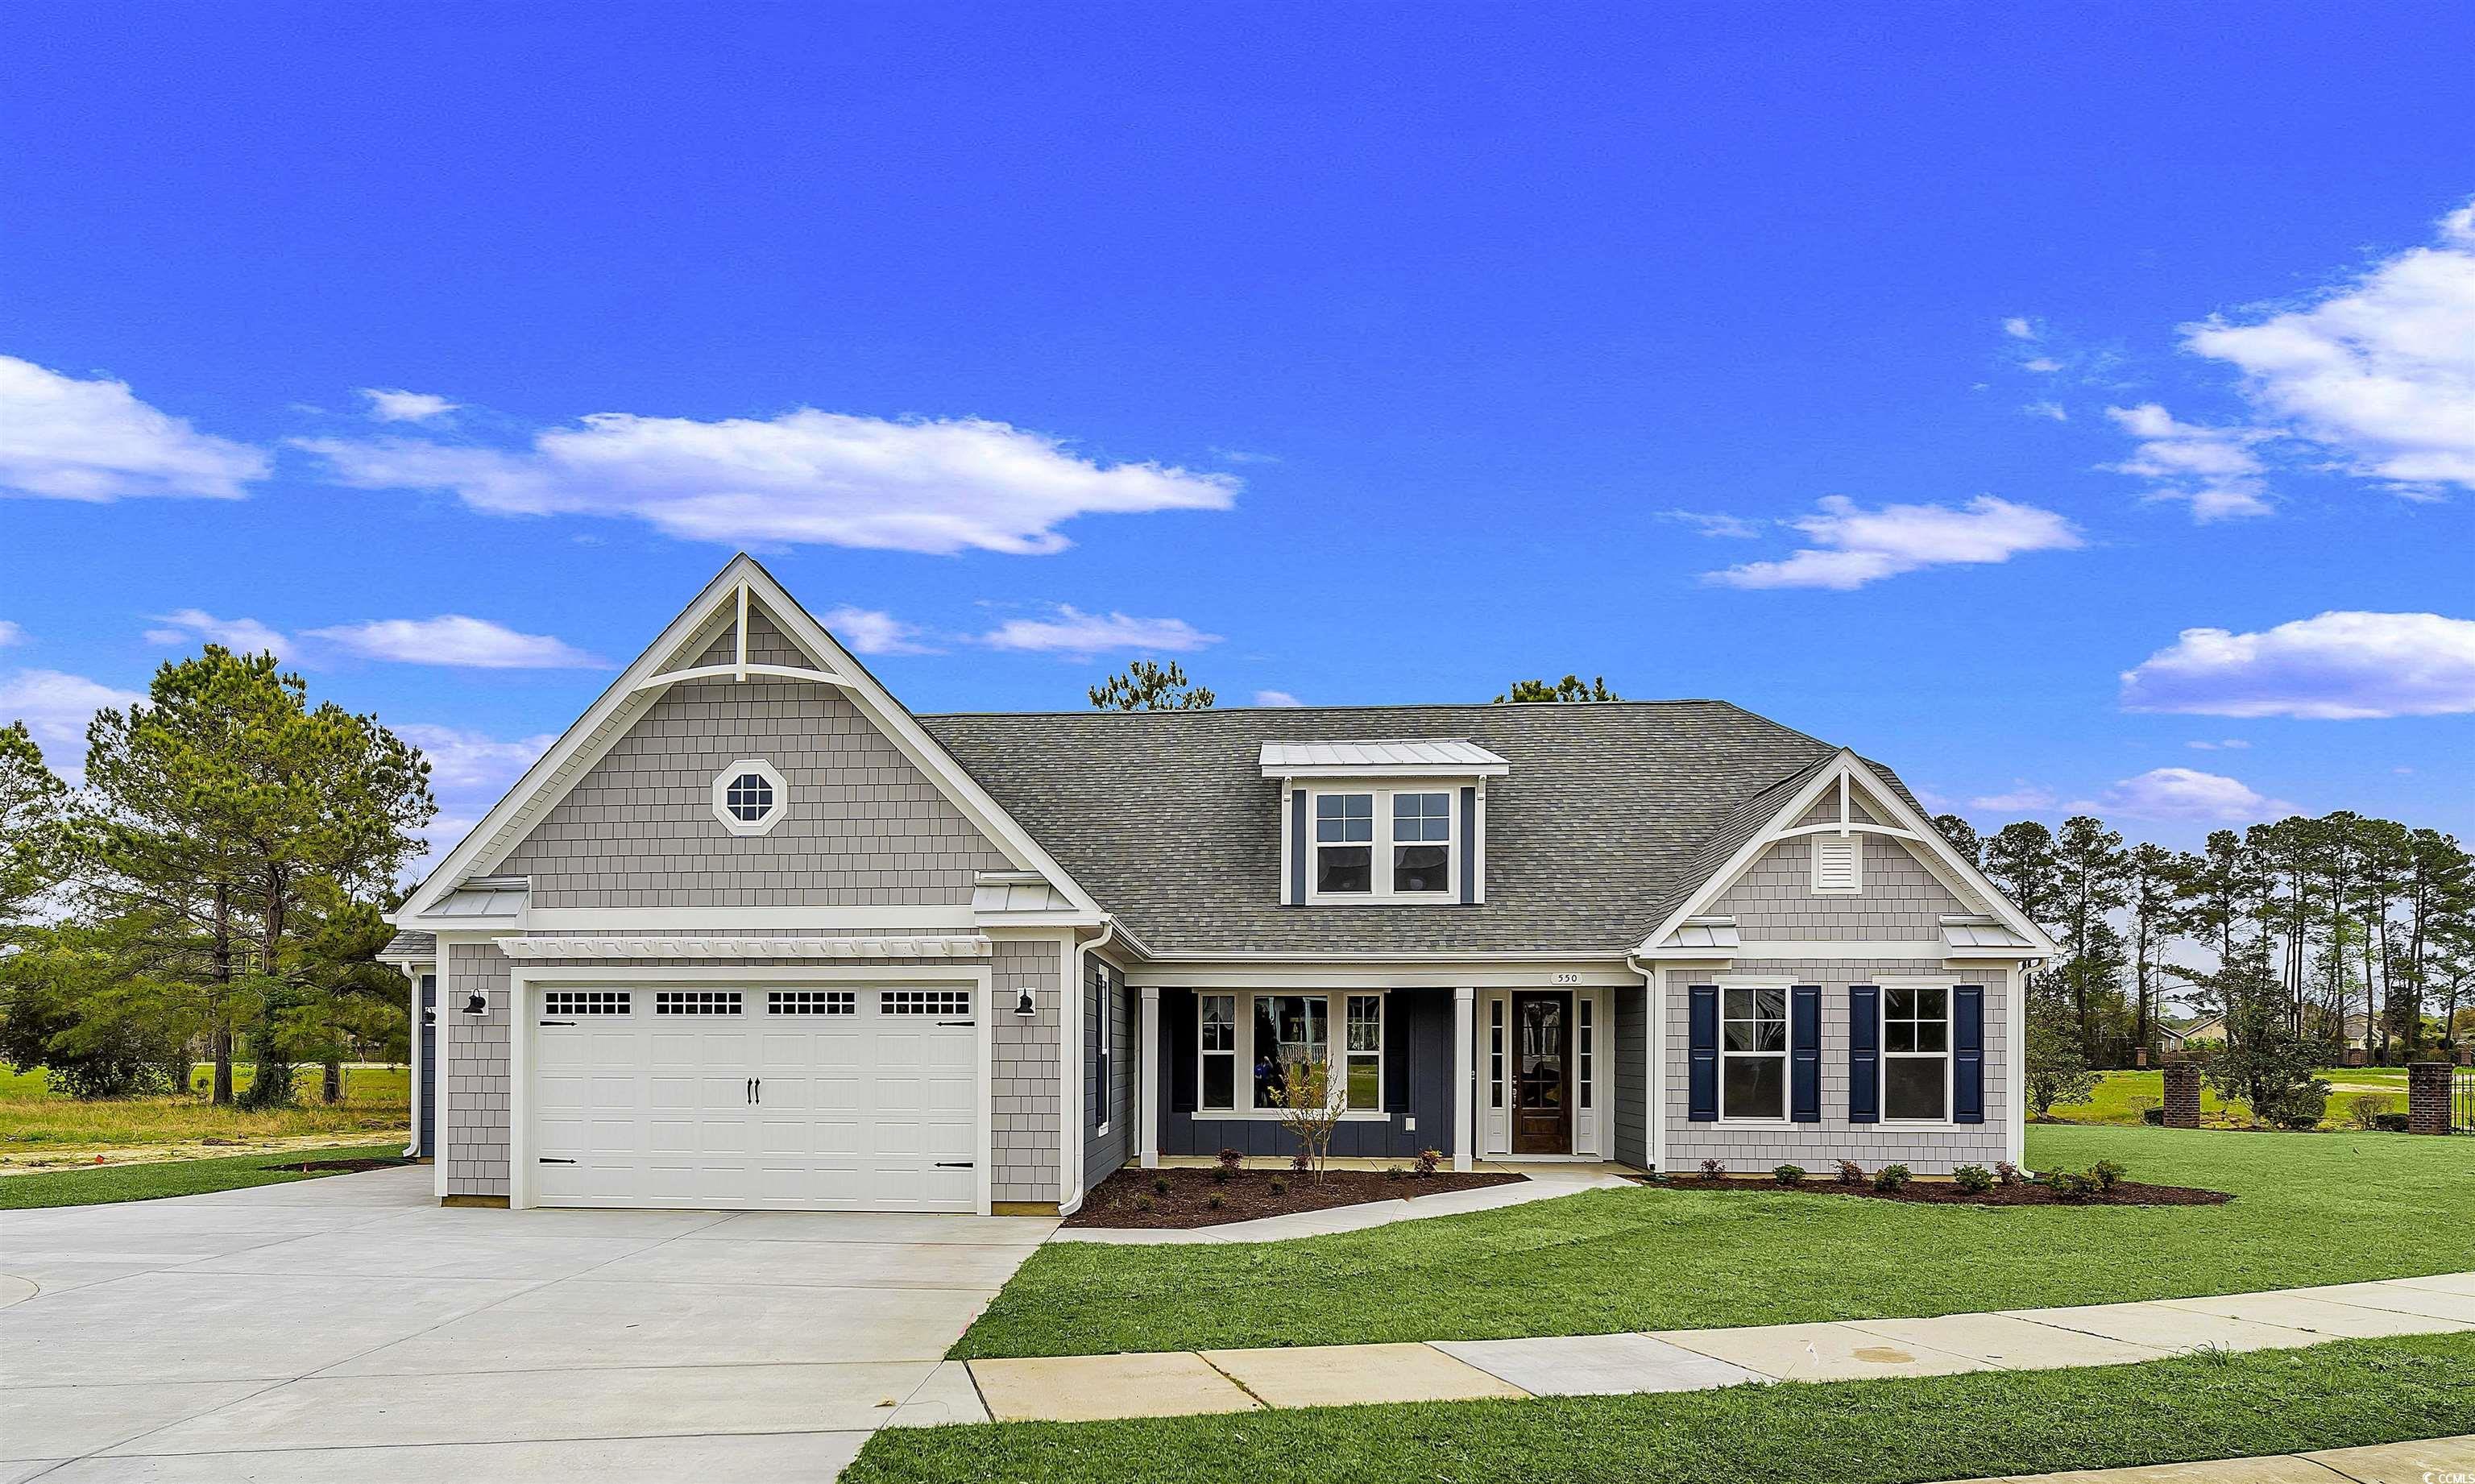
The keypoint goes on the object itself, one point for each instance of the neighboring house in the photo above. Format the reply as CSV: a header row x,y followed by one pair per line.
x,y
751,933
2206,1029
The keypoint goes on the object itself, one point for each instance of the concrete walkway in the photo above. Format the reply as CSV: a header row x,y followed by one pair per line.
x,y
2431,1461
1087,1388
1546,1183
352,1329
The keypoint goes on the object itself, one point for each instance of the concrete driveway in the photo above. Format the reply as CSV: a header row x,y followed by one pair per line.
x,y
350,1327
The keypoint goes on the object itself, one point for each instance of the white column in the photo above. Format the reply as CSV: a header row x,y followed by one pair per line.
x,y
1147,1080
1465,1076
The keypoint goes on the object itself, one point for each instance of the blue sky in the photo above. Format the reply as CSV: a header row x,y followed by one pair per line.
x,y
1350,354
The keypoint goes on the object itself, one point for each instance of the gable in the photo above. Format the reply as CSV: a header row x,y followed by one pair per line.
x,y
1900,899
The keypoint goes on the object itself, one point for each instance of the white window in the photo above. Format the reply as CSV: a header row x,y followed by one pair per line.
x,y
1217,1037
1916,1053
812,1001
1586,1048
576,1002
1363,1091
1105,1028
749,797
924,1002
1837,865
1290,1030
697,1002
1495,1051
1752,1053
1383,845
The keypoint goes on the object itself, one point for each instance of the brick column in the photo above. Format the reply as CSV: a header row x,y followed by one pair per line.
x,y
2182,1095
2427,1097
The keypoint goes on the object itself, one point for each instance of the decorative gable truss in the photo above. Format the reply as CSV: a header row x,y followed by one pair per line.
x,y
711,641
1841,807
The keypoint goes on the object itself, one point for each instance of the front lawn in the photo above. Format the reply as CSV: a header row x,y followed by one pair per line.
x,y
1885,1432
2120,1096
2308,1209
35,1121
107,1184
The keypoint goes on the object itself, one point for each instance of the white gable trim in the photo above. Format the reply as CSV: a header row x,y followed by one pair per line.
x,y
1954,871
728,596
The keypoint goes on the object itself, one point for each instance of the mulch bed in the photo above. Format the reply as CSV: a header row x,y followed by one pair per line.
x,y
1248,1194
337,1166
1944,1193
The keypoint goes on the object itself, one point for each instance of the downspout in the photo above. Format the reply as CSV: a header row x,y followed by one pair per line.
x,y
1073,1098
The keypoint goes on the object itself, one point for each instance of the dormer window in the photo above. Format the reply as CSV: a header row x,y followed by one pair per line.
x,y
1344,843
1422,842
1390,823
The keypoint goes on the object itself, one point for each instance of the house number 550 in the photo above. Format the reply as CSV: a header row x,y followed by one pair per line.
x,y
1564,979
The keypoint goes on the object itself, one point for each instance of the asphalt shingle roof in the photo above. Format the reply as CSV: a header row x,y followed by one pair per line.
x,y
1610,810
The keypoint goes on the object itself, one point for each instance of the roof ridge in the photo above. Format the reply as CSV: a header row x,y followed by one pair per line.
x,y
1509,707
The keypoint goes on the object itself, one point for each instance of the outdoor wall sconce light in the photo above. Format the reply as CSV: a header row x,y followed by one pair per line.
x,y
476,1004
1023,1004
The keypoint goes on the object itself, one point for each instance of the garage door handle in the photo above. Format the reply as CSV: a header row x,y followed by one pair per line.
x,y
943,1023
953,1164
546,1160
750,1091
558,1022
760,1092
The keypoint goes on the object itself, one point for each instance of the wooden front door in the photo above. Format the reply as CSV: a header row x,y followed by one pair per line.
x,y
1543,1084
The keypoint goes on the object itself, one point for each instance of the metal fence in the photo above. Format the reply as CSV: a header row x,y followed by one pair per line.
x,y
2462,1099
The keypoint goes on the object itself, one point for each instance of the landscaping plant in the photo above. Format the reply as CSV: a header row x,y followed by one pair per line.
x,y
1974,1179
1309,1112
1428,1161
1890,1178
2366,1108
1714,1169
2105,1174
2008,1173
1850,1172
1789,1175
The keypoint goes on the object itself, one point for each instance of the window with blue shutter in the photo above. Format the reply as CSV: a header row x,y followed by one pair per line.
x,y
1805,1054
1968,1054
1864,1054
1702,1081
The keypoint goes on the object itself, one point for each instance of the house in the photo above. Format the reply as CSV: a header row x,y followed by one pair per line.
x,y
2209,1027
753,934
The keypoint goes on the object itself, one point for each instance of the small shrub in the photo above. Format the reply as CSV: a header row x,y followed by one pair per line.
x,y
2105,1174
1217,1201
2392,1123
1428,1161
1850,1172
1231,1159
1395,1172
1143,1203
1890,1178
1160,1185
2153,1115
1280,1187
2008,1173
1789,1175
2298,1107
1714,1169
1974,1179
2070,1185
1301,1162
2366,1108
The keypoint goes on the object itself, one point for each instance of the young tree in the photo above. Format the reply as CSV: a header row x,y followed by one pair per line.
x,y
2154,901
1569,689
2091,865
1962,837
1310,1111
1143,685
2057,1073
31,803
2263,1060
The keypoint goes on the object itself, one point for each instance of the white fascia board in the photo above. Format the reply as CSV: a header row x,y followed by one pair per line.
x,y
1441,772
1559,974
1710,891
810,919
1951,860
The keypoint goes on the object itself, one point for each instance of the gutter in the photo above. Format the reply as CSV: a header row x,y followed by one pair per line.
x,y
1070,1096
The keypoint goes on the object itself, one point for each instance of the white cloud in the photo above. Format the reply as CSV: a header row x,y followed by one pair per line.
x,y
2188,794
55,708
2228,745
462,762
2048,409
942,486
1276,698
1853,546
2018,329
2213,469
1073,631
2335,667
1712,523
872,631
194,625
443,835
2025,797
452,639
11,634
2041,363
62,438
396,406
2378,371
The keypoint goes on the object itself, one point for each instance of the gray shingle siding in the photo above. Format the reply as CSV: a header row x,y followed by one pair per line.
x,y
1900,900
472,1131
1026,1096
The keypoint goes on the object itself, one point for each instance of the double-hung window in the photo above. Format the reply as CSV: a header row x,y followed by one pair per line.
x,y
1916,1053
1344,842
1291,1032
1365,1078
1218,1035
1383,844
1752,1053
1422,842
1104,1063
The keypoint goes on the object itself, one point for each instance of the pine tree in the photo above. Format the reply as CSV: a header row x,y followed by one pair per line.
x,y
31,803
1143,685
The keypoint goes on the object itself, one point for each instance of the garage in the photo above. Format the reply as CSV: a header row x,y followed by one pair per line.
x,y
791,1096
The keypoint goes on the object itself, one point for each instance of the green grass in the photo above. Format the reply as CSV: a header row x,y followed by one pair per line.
x,y
2121,1095
34,1119
1886,1432
2310,1209
109,1184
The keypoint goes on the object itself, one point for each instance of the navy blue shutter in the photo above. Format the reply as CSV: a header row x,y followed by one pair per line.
x,y
1968,1052
1703,1083
1298,847
1805,1054
1469,844
1864,1054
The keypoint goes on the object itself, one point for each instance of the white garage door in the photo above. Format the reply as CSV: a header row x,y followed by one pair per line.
x,y
840,1097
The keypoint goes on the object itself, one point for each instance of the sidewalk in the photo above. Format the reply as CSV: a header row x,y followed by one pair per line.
x,y
1546,1183
1090,1388
2432,1461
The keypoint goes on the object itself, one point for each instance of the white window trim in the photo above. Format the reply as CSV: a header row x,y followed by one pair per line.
x,y
1379,870
1856,886
721,782
1105,1035
1335,1052
1950,1053
1785,1055
1236,1009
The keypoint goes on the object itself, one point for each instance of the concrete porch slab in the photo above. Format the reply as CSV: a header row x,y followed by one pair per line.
x,y
1596,1365
1818,1353
1316,1375
1096,1388
2012,1344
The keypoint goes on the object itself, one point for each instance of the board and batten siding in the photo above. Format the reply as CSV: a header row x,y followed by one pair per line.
x,y
1632,1070
1105,994
1417,1086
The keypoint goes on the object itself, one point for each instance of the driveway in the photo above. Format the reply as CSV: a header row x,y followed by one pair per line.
x,y
350,1327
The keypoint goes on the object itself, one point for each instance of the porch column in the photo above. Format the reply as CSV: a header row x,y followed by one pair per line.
x,y
1464,1075
1147,1055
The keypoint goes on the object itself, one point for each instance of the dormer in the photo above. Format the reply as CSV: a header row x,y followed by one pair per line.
x,y
1394,823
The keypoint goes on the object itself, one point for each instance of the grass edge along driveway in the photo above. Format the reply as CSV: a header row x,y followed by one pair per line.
x,y
2310,1209
1876,1431
111,1185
